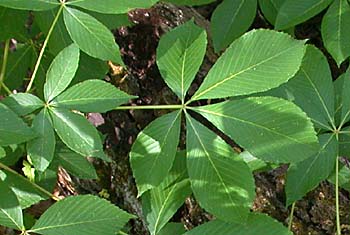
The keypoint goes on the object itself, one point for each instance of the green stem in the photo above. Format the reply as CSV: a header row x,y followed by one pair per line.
x,y
175,106
291,217
2,166
36,68
337,196
3,68
122,233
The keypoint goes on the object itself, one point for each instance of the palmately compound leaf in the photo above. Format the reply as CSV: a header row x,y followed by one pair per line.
x,y
161,203
12,129
172,229
230,20
91,36
92,96
311,89
61,72
345,100
81,215
256,62
23,103
41,149
258,124
270,9
154,150
294,12
10,210
304,176
335,30
77,133
221,181
33,5
113,6
15,27
256,224
180,54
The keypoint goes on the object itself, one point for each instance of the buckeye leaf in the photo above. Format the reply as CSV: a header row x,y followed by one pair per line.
x,y
81,215
77,133
23,103
112,6
91,36
344,142
304,176
172,228
236,16
217,174
61,71
335,28
10,210
190,2
12,129
270,9
345,99
258,124
15,27
257,61
154,150
41,149
91,96
34,5
256,224
180,54
294,12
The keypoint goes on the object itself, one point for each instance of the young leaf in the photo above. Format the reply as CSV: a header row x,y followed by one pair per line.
x,y
41,149
257,61
180,54
312,89
91,36
81,215
92,96
23,103
154,150
162,202
256,224
12,129
113,6
270,9
33,5
61,72
258,124
335,28
10,210
294,12
304,176
237,16
217,174
77,133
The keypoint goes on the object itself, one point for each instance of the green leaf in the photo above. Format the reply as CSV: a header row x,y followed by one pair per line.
x,y
75,164
77,133
61,72
23,103
92,96
257,224
345,99
34,5
10,210
41,150
2,152
13,153
312,89
180,54
162,202
258,124
335,28
113,6
26,192
217,174
237,16
344,142
270,9
190,2
304,176
154,150
343,177
254,163
12,129
111,21
172,229
13,28
81,215
294,12
257,61
59,38
91,36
